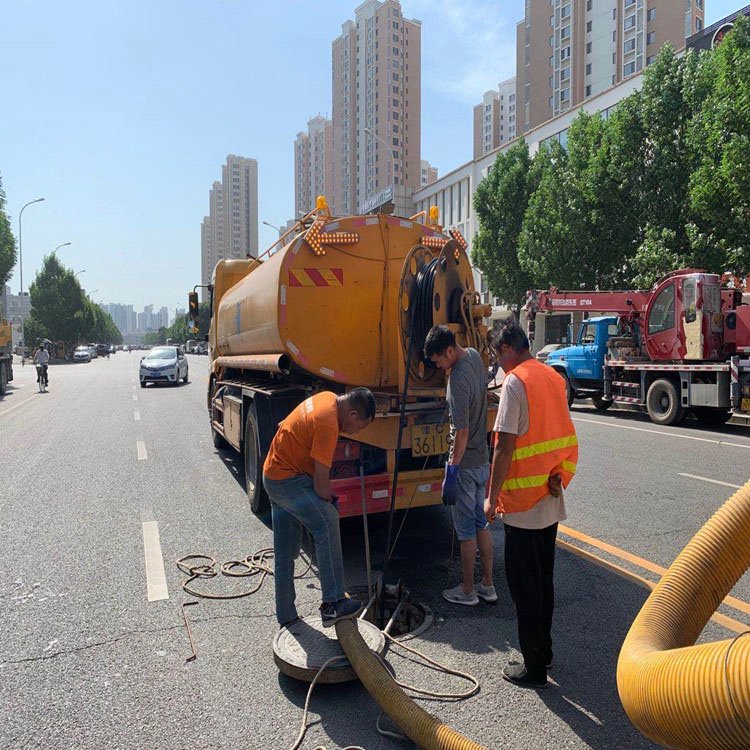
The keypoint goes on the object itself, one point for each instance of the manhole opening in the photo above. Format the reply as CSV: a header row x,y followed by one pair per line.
x,y
412,617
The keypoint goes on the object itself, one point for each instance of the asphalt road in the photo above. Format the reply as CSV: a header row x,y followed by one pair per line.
x,y
87,661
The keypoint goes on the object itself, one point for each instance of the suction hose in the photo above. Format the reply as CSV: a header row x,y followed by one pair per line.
x,y
427,732
685,696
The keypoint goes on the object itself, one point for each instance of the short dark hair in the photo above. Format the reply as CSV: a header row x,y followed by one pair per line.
x,y
510,333
438,339
362,401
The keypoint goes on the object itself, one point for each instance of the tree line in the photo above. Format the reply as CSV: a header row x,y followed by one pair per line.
x,y
662,183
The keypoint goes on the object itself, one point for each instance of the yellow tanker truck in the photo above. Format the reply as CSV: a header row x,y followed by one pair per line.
x,y
344,302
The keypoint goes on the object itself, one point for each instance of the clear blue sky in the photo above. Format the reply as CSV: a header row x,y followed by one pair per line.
x,y
121,114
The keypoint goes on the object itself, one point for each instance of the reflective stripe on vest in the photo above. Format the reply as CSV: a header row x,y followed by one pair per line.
x,y
549,447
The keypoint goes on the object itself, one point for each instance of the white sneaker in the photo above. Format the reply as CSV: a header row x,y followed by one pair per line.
x,y
457,595
487,593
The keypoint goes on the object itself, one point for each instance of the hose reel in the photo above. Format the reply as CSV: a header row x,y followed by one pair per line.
x,y
436,289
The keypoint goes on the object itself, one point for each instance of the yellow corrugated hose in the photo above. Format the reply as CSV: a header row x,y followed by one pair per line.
x,y
427,732
682,695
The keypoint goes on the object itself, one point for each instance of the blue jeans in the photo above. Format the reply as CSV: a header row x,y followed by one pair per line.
x,y
468,512
294,500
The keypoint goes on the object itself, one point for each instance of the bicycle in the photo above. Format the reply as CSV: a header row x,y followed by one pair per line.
x,y
41,378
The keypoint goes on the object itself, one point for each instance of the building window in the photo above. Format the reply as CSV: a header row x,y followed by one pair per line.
x,y
551,82
565,95
614,58
651,15
550,102
650,59
565,12
552,61
565,53
565,74
588,69
698,24
590,4
552,41
630,22
629,46
650,37
588,90
565,32
629,69
589,26
588,48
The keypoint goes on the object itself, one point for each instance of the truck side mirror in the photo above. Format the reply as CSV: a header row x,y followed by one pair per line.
x,y
193,305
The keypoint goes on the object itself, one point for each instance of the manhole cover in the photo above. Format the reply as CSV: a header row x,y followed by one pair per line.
x,y
303,647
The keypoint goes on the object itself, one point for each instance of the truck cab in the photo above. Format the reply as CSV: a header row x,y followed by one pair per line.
x,y
582,364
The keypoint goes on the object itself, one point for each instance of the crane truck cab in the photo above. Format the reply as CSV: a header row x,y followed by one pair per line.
x,y
582,364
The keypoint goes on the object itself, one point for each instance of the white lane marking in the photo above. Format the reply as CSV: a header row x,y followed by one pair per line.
x,y
137,416
156,580
706,479
16,405
659,432
135,398
141,447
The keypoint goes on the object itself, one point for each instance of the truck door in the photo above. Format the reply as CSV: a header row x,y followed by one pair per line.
x,y
581,356
662,339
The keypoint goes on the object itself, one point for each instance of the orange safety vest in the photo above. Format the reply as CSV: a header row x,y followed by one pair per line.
x,y
549,447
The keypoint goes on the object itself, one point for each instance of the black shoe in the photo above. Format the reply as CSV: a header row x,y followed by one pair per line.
x,y
517,674
343,609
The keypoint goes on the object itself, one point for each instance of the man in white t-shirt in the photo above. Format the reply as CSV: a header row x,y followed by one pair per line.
x,y
529,465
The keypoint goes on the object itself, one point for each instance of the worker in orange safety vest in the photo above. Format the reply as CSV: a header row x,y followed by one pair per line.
x,y
535,456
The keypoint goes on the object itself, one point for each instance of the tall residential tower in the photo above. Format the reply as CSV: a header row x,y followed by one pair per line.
x,y
495,118
376,105
569,50
313,164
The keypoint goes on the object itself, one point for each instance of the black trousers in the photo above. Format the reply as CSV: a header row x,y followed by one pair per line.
x,y
529,567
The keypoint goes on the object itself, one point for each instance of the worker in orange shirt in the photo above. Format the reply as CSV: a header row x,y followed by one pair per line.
x,y
535,455
296,476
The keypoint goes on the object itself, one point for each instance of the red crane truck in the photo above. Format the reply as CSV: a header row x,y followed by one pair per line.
x,y
681,347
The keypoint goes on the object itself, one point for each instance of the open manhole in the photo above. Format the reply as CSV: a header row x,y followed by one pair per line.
x,y
411,617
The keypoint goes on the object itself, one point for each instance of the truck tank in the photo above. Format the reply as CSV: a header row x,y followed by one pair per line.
x,y
339,301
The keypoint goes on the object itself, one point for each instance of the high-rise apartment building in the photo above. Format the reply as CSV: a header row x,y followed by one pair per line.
x,y
376,105
428,173
313,164
495,118
231,228
569,50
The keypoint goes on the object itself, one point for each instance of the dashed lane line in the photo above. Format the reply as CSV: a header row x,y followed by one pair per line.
x,y
712,481
156,579
141,448
137,416
135,398
16,405
659,432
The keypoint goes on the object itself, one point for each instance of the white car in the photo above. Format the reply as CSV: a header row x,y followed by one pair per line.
x,y
82,354
164,364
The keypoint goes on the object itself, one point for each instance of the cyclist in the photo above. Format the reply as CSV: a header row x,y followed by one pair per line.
x,y
41,360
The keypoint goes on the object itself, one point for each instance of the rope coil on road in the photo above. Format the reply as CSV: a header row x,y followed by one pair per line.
x,y
256,563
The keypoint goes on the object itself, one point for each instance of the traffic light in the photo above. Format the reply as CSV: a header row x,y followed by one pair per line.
x,y
193,305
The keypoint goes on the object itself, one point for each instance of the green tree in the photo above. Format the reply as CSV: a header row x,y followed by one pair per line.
x,y
720,185
7,242
56,301
500,202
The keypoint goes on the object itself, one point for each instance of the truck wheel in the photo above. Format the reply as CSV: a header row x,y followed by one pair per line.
x,y
254,465
663,403
570,394
3,380
600,403
711,417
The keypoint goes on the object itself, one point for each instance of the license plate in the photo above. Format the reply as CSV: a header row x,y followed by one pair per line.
x,y
745,404
429,439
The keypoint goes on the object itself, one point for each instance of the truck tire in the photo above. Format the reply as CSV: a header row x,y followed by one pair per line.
x,y
256,493
570,394
711,417
663,403
3,379
601,403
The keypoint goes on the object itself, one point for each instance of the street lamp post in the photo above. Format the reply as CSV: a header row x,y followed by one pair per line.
x,y
389,156
83,270
20,262
65,244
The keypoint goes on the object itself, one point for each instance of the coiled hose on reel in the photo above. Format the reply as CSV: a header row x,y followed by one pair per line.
x,y
685,696
421,306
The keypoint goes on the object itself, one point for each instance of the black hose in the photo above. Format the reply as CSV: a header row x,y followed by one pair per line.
x,y
421,307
